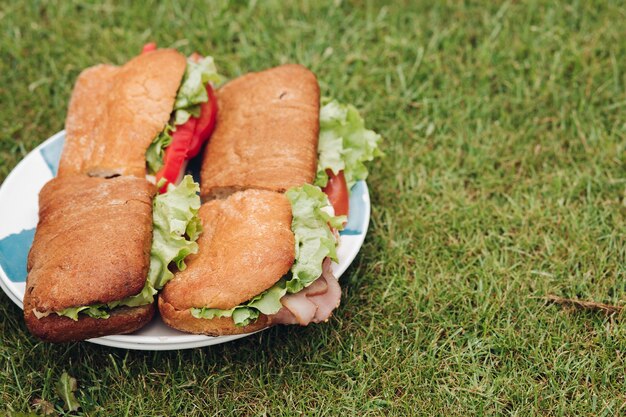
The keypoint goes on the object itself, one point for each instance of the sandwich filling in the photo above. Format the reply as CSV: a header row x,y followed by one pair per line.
x,y
314,242
344,143
191,94
176,228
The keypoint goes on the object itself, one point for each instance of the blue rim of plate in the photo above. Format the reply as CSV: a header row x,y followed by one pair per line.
x,y
18,219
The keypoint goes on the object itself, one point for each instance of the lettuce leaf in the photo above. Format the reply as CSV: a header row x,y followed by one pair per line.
x,y
344,143
96,310
314,242
176,227
156,150
192,91
268,302
314,239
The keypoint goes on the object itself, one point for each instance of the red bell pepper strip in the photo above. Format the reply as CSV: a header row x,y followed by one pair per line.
x,y
187,140
149,47
206,122
176,154
337,191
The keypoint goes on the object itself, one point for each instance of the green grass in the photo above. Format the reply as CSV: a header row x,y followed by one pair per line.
x,y
504,181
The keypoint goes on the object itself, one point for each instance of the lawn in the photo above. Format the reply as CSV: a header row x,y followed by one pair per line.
x,y
504,181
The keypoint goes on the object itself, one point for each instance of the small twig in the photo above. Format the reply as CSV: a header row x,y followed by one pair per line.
x,y
585,305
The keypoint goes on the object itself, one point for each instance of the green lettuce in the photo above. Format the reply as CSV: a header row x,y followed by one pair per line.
x,y
268,302
314,239
156,150
314,242
98,311
192,91
344,143
176,227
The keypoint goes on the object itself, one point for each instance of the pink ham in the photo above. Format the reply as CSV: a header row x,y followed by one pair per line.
x,y
300,306
284,316
327,302
319,287
313,304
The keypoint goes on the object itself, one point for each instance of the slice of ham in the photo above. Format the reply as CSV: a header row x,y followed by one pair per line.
x,y
319,287
328,301
284,316
314,304
300,306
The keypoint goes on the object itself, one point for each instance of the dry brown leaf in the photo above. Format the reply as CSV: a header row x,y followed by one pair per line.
x,y
585,305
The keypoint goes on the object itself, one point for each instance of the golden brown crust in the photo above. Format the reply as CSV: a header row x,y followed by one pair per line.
x,y
266,134
92,243
116,112
86,109
183,320
246,246
54,328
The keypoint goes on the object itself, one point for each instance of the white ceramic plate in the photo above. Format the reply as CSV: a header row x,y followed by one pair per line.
x,y
18,219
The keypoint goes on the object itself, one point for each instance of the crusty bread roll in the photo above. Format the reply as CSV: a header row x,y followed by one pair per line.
x,y
116,112
247,245
266,133
224,326
92,246
58,329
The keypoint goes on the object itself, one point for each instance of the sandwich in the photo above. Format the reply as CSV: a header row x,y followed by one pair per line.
x,y
266,134
272,132
149,116
105,241
91,250
264,258
269,235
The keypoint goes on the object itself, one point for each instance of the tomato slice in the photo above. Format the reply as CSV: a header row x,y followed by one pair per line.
x,y
337,191
149,47
187,140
